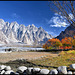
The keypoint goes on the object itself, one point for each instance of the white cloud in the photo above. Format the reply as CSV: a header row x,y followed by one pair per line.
x,y
57,21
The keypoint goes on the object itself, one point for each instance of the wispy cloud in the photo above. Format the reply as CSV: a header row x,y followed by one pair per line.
x,y
14,15
57,22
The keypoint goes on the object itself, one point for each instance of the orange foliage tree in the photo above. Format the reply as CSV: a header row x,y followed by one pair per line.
x,y
65,43
55,43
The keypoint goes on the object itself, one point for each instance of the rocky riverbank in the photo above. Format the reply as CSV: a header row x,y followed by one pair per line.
x,y
36,70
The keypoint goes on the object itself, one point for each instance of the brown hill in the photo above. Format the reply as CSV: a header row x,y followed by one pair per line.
x,y
68,32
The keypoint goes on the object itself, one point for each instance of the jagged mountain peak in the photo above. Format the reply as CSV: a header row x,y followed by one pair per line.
x,y
40,28
29,25
1,21
33,25
21,33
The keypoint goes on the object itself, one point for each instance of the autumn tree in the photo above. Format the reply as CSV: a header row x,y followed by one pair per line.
x,y
66,9
58,44
74,43
52,43
67,42
45,46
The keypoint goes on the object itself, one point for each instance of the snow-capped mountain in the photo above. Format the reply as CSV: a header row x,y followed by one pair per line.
x,y
13,32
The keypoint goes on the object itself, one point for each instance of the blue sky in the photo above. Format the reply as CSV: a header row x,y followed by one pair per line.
x,y
31,12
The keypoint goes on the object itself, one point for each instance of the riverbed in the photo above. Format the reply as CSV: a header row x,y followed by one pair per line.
x,y
2,49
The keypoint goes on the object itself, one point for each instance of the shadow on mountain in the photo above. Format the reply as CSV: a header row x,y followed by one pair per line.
x,y
44,40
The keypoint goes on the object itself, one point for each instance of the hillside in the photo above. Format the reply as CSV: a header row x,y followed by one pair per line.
x,y
68,32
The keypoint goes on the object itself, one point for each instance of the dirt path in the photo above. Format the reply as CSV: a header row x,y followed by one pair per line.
x,y
5,57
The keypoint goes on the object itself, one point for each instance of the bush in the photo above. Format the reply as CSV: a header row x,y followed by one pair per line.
x,y
50,47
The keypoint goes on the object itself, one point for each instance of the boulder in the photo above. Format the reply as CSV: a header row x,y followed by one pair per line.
x,y
62,70
72,66
9,72
54,71
2,72
44,71
16,73
2,67
69,72
21,69
36,70
73,72
7,68
29,70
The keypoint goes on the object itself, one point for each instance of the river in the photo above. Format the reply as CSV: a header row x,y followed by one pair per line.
x,y
2,49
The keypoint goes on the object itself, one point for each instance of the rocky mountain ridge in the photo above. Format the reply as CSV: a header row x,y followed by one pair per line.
x,y
68,32
13,32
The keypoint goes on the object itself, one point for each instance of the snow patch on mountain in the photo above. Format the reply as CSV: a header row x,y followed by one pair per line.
x,y
14,32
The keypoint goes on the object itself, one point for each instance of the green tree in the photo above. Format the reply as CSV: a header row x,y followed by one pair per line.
x,y
74,42
58,44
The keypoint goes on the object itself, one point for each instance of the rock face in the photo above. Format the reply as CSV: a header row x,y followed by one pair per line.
x,y
69,32
13,32
3,38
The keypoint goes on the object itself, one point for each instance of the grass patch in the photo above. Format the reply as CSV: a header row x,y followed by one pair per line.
x,y
64,58
71,51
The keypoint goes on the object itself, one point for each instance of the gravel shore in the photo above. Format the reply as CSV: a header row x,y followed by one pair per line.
x,y
6,57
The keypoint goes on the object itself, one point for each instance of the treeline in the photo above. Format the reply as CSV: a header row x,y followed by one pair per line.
x,y
65,43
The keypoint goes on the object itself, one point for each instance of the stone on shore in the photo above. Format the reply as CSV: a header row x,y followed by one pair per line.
x,y
73,72
7,68
2,67
36,70
72,66
54,71
21,69
29,70
9,72
62,70
2,72
44,71
69,72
